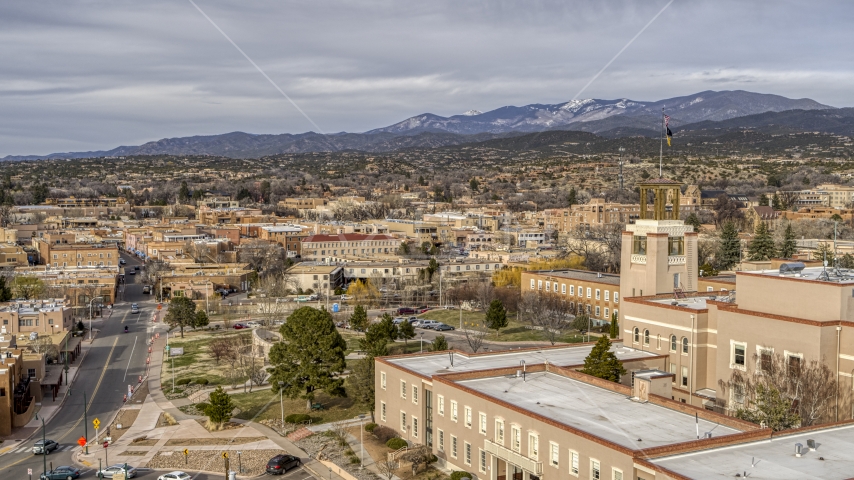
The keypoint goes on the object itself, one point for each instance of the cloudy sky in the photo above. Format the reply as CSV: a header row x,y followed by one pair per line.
x,y
82,75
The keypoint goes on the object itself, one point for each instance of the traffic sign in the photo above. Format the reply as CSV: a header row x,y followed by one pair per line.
x,y
224,454
168,348
81,441
96,423
29,471
106,444
186,452
159,307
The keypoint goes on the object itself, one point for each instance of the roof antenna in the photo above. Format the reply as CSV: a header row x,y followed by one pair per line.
x,y
451,356
523,370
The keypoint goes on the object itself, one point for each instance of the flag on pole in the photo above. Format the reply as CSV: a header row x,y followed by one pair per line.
x,y
667,126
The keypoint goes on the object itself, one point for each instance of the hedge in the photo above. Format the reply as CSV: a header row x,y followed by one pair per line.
x,y
202,381
460,475
201,406
297,418
183,381
384,434
396,443
370,427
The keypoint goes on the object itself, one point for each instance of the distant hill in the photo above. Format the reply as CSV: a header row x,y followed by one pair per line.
x,y
699,113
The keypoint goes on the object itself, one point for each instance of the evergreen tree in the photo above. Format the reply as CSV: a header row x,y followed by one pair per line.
x,y
496,316
772,408
220,407
729,247
764,201
788,247
693,220
181,313
572,198
5,290
360,384
406,332
602,362
614,331
184,192
825,252
474,185
359,319
310,356
776,204
762,247
439,344
40,192
201,319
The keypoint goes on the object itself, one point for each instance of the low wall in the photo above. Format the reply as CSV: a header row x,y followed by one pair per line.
x,y
21,419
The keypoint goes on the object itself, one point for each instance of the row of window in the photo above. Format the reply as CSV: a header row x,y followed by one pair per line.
x,y
80,255
553,287
674,343
90,264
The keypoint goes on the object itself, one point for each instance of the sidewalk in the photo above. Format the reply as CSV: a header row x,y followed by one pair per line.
x,y
315,468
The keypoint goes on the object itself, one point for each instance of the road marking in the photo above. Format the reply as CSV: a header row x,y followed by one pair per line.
x,y
94,391
126,316
130,358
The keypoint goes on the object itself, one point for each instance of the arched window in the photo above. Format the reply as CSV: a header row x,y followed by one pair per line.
x,y
637,335
685,345
646,337
673,343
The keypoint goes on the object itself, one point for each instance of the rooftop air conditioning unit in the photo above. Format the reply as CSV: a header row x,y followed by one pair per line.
x,y
791,268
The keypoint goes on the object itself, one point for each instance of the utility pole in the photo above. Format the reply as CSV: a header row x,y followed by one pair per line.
x,y
86,421
621,149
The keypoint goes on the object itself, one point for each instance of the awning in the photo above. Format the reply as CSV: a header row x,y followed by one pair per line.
x,y
707,393
52,375
72,344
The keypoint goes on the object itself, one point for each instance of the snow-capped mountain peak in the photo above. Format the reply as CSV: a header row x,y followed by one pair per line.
x,y
473,112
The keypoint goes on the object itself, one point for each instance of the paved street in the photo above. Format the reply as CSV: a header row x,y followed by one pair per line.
x,y
113,361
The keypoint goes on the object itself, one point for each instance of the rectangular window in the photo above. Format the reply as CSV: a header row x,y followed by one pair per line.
x,y
616,297
533,446
532,284
738,351
482,423
467,450
382,410
548,286
765,359
563,289
482,460
441,402
539,284
468,417
453,446
382,380
589,292
403,389
516,438
415,427
499,432
598,294
618,474
597,311
572,289
441,441
607,316
684,376
415,394
595,473
554,457
403,421
573,462
454,410
607,295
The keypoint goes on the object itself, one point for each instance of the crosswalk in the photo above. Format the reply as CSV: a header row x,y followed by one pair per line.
x,y
29,449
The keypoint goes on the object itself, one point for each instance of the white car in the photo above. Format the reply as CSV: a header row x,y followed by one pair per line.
x,y
177,475
114,469
253,324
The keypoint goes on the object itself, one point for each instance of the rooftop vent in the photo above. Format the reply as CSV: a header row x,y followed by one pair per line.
x,y
799,449
791,268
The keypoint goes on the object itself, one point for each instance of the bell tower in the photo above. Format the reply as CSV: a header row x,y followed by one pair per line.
x,y
659,251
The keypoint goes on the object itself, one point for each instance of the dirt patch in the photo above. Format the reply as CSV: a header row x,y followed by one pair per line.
x,y
140,393
143,442
125,418
212,441
134,452
163,420
225,426
252,461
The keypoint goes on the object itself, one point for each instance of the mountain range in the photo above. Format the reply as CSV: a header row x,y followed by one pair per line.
x,y
707,110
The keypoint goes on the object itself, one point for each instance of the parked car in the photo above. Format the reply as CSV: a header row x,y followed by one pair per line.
x,y
422,309
146,290
177,475
239,326
122,261
413,319
280,464
346,297
253,324
136,267
131,272
406,311
398,320
442,327
424,323
61,473
108,472
45,447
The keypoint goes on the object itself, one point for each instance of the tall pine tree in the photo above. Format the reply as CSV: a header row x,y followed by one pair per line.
x,y
496,316
788,247
614,331
762,247
729,247
602,362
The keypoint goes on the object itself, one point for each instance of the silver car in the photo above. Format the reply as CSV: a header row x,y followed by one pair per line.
x,y
114,469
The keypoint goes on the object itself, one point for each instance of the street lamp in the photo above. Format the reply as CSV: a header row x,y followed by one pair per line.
x,y
282,403
90,316
361,441
422,342
85,420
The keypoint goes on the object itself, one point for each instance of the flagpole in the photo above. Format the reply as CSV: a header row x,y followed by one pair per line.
x,y
661,145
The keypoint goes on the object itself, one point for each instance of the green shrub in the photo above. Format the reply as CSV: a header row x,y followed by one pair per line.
x,y
355,460
349,452
297,418
202,406
183,381
202,381
370,427
396,443
460,475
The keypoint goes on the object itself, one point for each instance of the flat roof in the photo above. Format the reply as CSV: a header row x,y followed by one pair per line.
x,y
583,275
437,364
774,458
830,275
696,303
608,415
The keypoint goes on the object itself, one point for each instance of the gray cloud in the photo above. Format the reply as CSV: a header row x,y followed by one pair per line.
x,y
93,74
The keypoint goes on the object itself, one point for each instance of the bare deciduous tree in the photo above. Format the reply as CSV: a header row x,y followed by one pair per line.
x,y
475,333
387,468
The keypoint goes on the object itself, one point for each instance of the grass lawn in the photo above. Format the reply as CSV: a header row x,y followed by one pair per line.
x,y
515,331
196,362
264,404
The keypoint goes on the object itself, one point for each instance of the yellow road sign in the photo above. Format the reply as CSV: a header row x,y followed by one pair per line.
x,y
186,452
96,423
224,454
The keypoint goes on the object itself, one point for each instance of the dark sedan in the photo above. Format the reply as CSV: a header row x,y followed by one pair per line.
x,y
442,327
280,464
61,473
45,447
